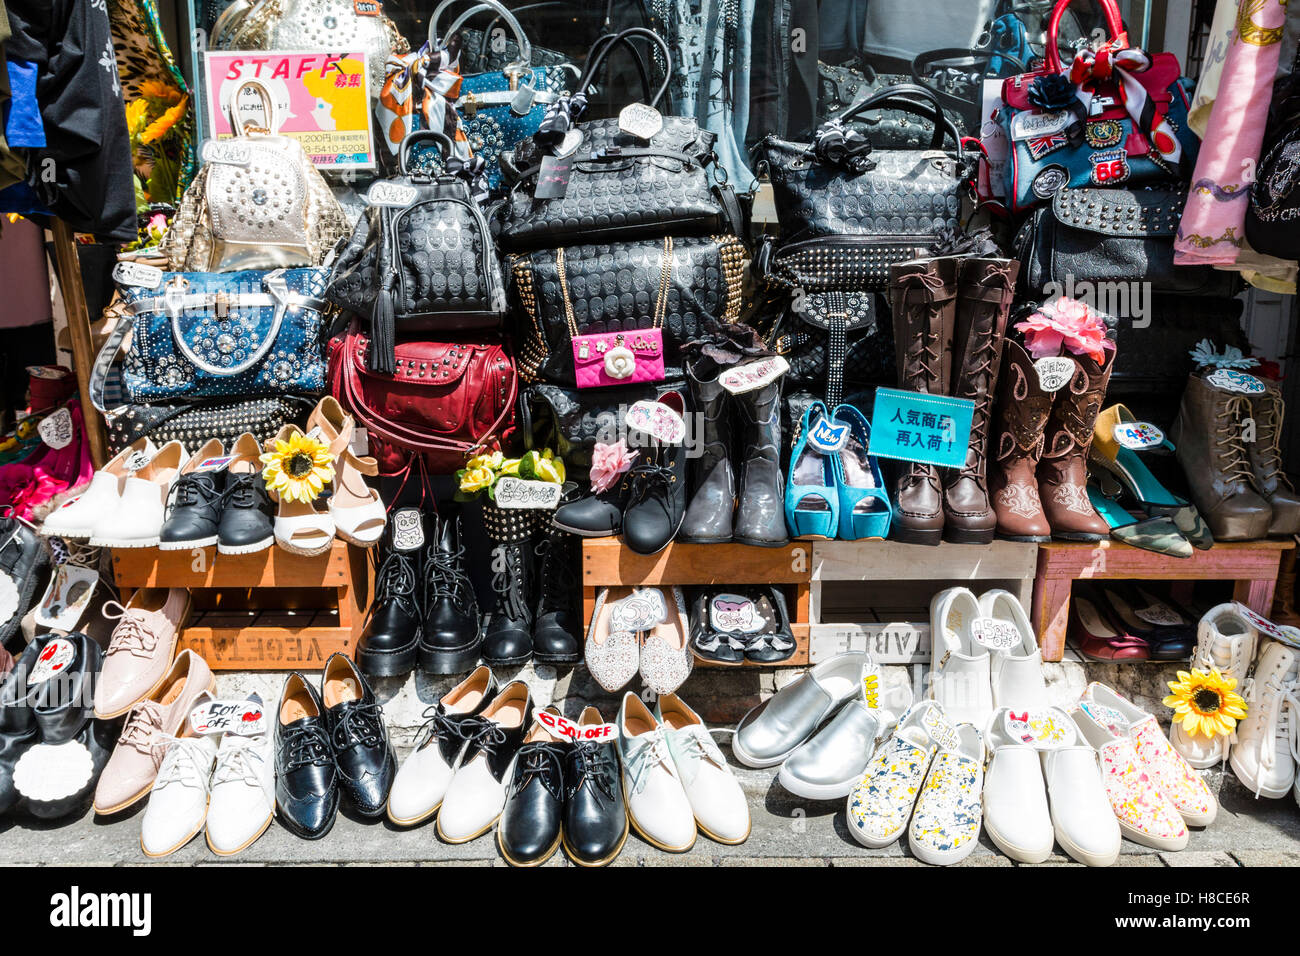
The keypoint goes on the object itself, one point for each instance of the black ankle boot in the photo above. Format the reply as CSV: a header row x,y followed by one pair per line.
x,y
713,502
450,641
760,507
388,643
656,484
508,641
557,632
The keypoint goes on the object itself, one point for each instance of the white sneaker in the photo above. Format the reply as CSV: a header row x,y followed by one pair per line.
x,y
715,795
1227,640
657,805
1016,661
242,801
477,793
77,520
1263,758
138,519
1016,814
960,668
881,803
178,802
425,775
1084,823
946,824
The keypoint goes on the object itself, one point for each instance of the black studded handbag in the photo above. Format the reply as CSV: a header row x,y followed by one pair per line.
x,y
420,258
194,423
635,176
1111,238
841,196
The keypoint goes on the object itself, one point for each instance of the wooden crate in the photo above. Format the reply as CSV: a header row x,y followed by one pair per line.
x,y
607,563
259,611
895,639
1251,565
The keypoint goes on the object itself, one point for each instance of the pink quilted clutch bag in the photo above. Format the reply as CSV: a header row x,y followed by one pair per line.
x,y
618,358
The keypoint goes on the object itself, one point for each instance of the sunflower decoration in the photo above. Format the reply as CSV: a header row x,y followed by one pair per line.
x,y
298,469
1206,702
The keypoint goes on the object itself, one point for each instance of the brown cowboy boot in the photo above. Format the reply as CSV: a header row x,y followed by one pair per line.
x,y
1022,412
1207,435
984,291
1063,471
923,293
1266,463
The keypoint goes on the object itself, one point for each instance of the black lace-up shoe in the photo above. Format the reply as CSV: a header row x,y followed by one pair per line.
x,y
390,639
529,833
362,750
306,774
451,638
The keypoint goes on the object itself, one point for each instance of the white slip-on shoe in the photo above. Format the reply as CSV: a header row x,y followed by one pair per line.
x,y
716,797
1145,815
242,802
657,805
1016,662
881,803
1226,639
945,826
1263,757
477,792
960,667
138,518
828,764
423,778
178,802
771,731
1084,823
1016,814
1182,786
76,521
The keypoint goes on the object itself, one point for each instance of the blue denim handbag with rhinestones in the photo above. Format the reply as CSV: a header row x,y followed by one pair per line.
x,y
209,335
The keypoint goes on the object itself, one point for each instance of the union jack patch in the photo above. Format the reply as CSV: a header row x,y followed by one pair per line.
x,y
1040,146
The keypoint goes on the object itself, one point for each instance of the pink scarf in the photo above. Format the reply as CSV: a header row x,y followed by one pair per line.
x,y
1211,229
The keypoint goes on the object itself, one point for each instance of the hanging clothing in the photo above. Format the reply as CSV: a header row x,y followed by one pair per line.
x,y
83,174
1210,232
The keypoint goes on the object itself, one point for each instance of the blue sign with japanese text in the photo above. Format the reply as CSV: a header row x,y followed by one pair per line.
x,y
911,426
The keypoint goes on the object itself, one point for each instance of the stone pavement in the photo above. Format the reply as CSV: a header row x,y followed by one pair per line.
x,y
787,830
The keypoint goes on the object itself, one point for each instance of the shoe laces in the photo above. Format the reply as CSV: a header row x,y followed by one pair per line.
x,y
559,577
360,723
691,746
445,578
132,633
591,763
979,429
1233,460
143,730
241,493
239,760
307,746
1268,442
438,725
543,763
507,583
647,478
395,580
482,735
1279,707
195,488
644,753
186,762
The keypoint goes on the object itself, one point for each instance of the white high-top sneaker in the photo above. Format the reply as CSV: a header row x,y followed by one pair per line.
x,y
1263,757
1224,639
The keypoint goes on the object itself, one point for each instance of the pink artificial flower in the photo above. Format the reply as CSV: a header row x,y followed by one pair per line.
x,y
1066,323
607,463
158,223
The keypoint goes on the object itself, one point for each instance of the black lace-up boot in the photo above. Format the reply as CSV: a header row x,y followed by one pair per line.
x,y
557,631
388,643
452,634
508,637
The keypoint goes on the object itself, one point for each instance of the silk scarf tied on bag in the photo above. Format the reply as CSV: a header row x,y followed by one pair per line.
x,y
1210,232
418,93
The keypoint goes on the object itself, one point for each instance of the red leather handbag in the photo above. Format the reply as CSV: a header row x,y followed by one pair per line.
x,y
446,401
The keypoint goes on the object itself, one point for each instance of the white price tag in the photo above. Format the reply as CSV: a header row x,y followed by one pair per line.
x,y
640,120
1054,372
566,729
518,494
753,375
138,274
1160,615
408,529
1138,436
1231,380
244,718
56,657
734,614
994,634
56,428
1044,729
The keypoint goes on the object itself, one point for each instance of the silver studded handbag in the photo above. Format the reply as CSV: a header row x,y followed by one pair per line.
x,y
257,203
328,25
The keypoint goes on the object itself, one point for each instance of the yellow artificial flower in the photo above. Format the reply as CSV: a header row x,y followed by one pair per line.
x,y
492,461
476,479
1205,703
510,467
298,469
137,116
160,127
550,468
158,90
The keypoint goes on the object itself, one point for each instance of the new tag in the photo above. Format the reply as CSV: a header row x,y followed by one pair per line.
x,y
553,177
521,494
137,274
1054,372
640,120
227,152
828,437
396,195
871,687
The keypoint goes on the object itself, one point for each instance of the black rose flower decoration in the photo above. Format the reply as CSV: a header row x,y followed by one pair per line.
x,y
838,145
1051,92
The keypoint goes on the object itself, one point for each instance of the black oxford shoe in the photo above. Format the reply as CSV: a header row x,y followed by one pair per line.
x,y
529,833
306,776
362,750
